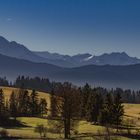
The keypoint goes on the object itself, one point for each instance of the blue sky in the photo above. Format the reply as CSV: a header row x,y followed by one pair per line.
x,y
73,26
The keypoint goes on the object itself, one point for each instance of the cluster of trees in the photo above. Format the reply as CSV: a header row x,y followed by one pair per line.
x,y
40,84
21,103
101,107
91,104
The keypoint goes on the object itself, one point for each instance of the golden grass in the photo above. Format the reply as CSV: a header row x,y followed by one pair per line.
x,y
31,122
132,112
8,90
28,132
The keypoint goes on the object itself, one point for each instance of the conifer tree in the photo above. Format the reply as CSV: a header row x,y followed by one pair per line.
x,y
2,102
23,102
13,105
118,110
85,91
34,103
53,99
106,116
43,107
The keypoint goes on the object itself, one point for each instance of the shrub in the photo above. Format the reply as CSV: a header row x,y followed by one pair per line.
x,y
42,130
4,133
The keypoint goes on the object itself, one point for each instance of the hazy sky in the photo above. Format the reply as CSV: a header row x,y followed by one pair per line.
x,y
73,26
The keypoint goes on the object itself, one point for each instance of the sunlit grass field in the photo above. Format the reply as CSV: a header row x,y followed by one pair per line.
x,y
86,129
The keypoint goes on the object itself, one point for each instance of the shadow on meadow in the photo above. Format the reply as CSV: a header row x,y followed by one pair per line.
x,y
11,123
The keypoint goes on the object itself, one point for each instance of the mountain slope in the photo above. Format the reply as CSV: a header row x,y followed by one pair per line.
x,y
12,67
14,49
64,60
114,59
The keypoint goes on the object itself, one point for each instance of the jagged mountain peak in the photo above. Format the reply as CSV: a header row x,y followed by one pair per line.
x,y
14,49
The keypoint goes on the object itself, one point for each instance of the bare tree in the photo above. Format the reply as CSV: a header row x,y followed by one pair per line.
x,y
69,106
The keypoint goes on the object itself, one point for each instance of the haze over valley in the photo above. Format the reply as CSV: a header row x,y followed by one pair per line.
x,y
116,69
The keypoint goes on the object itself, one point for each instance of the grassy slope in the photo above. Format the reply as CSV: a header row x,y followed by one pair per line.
x,y
132,111
8,90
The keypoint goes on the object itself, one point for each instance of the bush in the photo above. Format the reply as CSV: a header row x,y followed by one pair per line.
x,y
4,133
42,130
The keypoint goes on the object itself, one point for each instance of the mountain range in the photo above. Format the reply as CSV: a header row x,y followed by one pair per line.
x,y
108,70
114,58
14,49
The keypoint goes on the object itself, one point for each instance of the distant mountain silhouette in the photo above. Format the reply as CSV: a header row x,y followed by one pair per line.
x,y
107,75
14,49
114,58
16,59
12,67
19,51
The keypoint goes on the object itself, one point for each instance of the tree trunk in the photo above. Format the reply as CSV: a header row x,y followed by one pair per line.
x,y
66,129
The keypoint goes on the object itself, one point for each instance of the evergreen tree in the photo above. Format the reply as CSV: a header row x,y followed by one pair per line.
x,y
43,107
4,115
34,105
85,91
13,105
23,102
94,106
53,99
97,107
90,107
118,110
106,116
2,102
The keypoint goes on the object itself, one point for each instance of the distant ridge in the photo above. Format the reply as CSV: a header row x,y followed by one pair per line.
x,y
107,75
14,49
114,58
108,70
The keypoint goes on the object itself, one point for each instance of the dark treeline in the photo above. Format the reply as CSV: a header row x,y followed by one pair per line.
x,y
43,84
101,106
21,103
4,82
40,84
